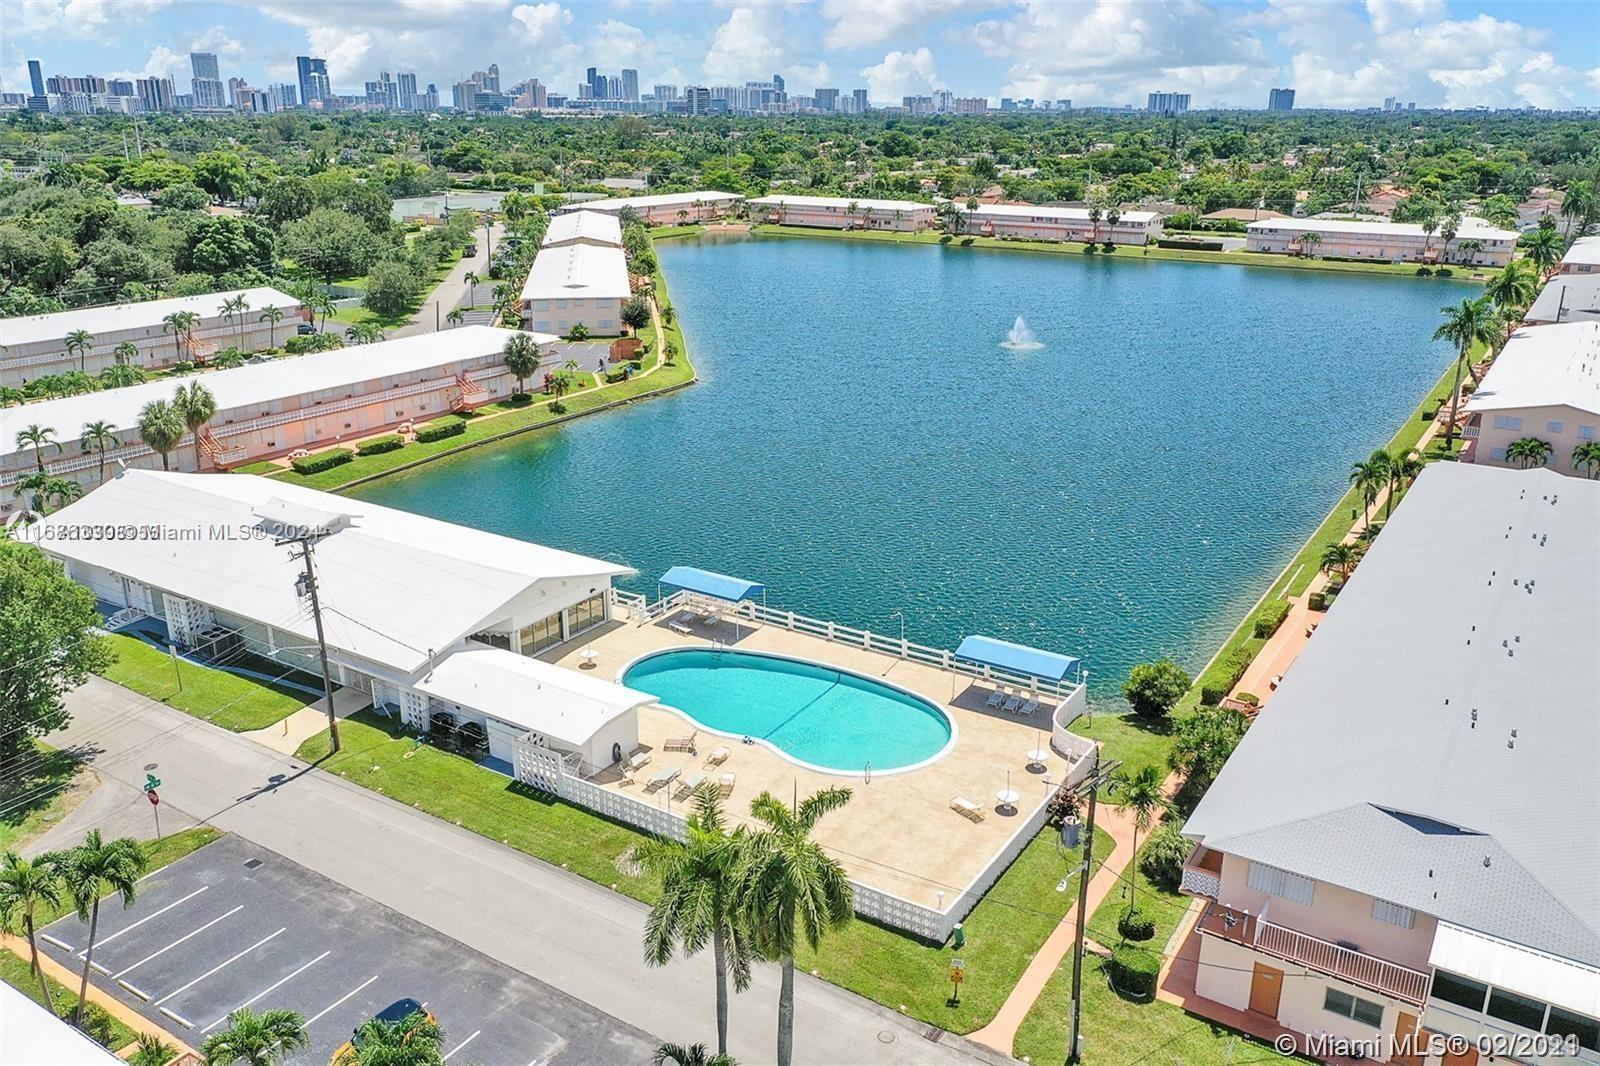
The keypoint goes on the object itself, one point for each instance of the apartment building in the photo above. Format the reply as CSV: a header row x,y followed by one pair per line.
x,y
1476,242
843,212
1408,841
665,209
266,409
1571,297
1582,258
593,228
1059,224
36,345
573,285
1545,384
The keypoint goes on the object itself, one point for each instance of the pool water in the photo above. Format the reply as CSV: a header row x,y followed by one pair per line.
x,y
827,718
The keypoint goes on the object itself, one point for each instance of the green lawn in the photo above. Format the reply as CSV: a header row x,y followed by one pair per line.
x,y
1127,737
229,700
30,802
355,316
264,466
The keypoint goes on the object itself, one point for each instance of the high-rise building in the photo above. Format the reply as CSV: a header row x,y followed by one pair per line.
x,y
120,86
630,85
209,92
464,95
1168,103
596,83
383,93
777,79
60,85
697,99
491,78
970,105
430,99
36,77
407,91
314,84
613,88
1280,100
282,97
156,94
917,105
860,97
665,93
826,99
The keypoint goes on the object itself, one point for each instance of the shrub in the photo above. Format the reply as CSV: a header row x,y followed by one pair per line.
x,y
1154,688
1089,249
1444,272
1108,247
1271,617
99,1025
1135,924
440,430
312,342
1224,674
1162,859
379,445
1424,272
1133,970
317,462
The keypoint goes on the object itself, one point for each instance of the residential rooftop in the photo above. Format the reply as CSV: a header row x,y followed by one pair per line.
x,y
665,199
1585,251
593,226
1435,744
1470,228
1067,214
1567,298
862,203
115,318
578,271
1544,366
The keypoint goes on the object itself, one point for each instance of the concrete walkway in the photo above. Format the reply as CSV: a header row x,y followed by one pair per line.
x,y
287,736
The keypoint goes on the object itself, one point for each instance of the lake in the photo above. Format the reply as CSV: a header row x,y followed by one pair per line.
x,y
862,444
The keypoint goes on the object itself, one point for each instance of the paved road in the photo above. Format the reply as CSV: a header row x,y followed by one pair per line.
x,y
533,917
453,291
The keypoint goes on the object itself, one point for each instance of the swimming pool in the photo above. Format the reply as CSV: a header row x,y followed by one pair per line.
x,y
827,719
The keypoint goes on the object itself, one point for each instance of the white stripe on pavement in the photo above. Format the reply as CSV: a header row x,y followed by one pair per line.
x,y
181,939
264,991
341,999
180,1019
141,993
459,1046
103,941
62,944
217,968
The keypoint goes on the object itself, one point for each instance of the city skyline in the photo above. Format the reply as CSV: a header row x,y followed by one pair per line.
x,y
1335,55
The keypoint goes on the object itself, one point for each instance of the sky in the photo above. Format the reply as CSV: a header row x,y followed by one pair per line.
x,y
1335,53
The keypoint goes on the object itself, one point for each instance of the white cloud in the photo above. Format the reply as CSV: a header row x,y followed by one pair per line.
x,y
432,36
901,74
79,19
542,24
857,23
1387,15
745,47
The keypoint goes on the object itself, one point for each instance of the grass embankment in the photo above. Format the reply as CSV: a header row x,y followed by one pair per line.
x,y
32,798
1136,252
229,700
1003,931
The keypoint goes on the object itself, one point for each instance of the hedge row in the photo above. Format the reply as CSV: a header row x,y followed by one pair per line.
x,y
379,445
1271,617
440,430
1225,673
1133,970
317,462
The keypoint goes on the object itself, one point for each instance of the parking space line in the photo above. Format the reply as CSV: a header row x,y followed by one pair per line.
x,y
340,1000
141,993
62,944
270,988
175,943
461,1045
180,1019
103,941
217,968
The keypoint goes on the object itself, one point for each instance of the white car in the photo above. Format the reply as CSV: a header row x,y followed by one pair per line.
x,y
300,453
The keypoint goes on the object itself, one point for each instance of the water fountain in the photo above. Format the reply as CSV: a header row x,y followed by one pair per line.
x,y
1021,338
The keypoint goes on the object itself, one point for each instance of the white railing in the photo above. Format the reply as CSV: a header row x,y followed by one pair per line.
x,y
1351,965
126,616
349,403
1469,432
86,462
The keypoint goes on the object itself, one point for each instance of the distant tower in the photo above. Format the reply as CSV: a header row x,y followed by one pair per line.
x,y
1280,100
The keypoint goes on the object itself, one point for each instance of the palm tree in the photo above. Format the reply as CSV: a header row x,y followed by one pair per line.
x,y
125,353
1094,217
11,396
99,436
1339,559
120,376
364,333
1430,225
1466,326
161,428
37,488
89,871
1143,795
1309,242
456,316
522,357
1543,248
1576,205
1586,457
28,886
78,343
693,1055
181,325
1511,291
1403,470
697,904
322,304
1369,478
787,887
151,1050
36,437
1448,229
412,1041
1529,452
195,404
271,315
233,309
472,280
256,1039
61,490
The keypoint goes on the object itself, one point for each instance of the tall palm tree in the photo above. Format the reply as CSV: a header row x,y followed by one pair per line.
x,y
1369,477
1511,291
271,315
181,325
1094,217
62,491
1449,226
1586,457
322,304
78,343
161,428
522,357
36,486
472,280
1577,205
28,886
693,1055
233,309
256,1039
89,871
37,437
195,404
1403,470
697,902
788,887
99,436
1543,248
1465,326
120,376
1143,796
1309,242
1529,452
412,1041
125,353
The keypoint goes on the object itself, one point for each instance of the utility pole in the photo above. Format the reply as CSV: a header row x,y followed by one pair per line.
x,y
1098,776
307,586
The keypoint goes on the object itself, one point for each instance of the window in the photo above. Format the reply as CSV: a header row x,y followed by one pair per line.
x,y
1566,1023
1345,1005
1518,1010
1462,991
1497,454
1586,432
1511,422
545,633
581,616
1281,883
1554,427
1393,913
497,640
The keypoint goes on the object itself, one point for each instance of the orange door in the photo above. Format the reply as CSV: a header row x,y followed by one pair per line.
x,y
1406,1041
1266,988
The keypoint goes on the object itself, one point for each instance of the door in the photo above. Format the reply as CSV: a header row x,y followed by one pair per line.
x,y
1407,1041
1468,1057
1266,986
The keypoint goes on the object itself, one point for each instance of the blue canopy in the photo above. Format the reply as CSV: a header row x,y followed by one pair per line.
x,y
1017,658
720,586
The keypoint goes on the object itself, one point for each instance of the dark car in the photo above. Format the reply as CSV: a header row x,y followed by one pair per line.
x,y
470,251
305,328
393,1014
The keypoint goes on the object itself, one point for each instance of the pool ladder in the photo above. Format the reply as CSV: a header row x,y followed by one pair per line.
x,y
868,781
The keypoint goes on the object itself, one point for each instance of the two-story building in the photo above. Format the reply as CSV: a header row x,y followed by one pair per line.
x,y
1582,258
576,285
665,209
1037,222
1475,243
1569,297
843,212
1408,840
583,227
1544,384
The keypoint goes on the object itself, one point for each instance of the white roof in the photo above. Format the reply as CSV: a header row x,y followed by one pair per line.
x,y
578,271
1544,366
113,318
1567,298
1074,214
250,386
530,693
1470,228
1584,250
665,199
393,585
1517,969
862,203
583,226
31,1037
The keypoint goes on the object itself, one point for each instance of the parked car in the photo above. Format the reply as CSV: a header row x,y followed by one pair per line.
x,y
305,329
393,1014
470,251
300,453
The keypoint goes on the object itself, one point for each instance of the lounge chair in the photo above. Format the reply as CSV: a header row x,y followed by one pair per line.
x,y
681,743
679,627
967,809
996,698
725,784
687,786
1028,708
662,778
718,756
712,618
1012,705
637,762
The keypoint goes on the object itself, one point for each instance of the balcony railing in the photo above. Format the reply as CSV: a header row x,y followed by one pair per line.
x,y
1202,873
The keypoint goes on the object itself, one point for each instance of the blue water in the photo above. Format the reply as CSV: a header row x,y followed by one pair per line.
x,y
825,717
860,442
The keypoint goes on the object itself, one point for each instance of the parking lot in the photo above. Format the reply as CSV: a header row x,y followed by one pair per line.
x,y
235,925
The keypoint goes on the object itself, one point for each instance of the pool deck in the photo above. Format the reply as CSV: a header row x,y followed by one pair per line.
x,y
898,833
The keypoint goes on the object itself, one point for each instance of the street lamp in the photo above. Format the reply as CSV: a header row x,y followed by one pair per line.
x,y
902,618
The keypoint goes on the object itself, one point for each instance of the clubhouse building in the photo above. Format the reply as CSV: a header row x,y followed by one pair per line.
x,y
1476,242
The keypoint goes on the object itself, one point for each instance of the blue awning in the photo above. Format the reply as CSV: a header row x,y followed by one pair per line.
x,y
720,586
1017,658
